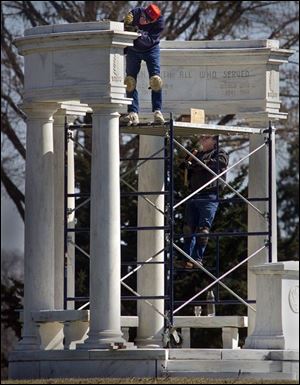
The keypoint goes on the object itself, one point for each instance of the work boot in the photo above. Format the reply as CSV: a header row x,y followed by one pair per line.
x,y
158,117
131,119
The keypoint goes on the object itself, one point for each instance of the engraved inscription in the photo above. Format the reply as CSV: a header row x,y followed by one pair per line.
x,y
207,83
208,74
294,299
271,83
116,69
236,74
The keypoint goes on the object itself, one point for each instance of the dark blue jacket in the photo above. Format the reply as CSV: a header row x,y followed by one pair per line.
x,y
150,32
198,175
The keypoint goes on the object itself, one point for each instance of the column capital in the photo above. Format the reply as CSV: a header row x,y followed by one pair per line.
x,y
104,108
71,110
257,120
39,110
261,119
74,108
60,116
99,110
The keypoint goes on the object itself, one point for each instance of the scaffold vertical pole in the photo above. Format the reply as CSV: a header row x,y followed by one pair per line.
x,y
171,218
65,210
270,191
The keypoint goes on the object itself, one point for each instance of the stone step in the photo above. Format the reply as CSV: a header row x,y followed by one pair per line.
x,y
195,354
235,366
233,354
222,375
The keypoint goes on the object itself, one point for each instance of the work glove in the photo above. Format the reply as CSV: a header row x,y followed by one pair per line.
x,y
128,23
128,18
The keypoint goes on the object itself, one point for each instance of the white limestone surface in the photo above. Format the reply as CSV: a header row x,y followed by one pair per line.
x,y
150,278
75,61
220,77
277,318
156,363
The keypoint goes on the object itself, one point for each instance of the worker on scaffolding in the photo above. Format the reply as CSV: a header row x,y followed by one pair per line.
x,y
149,23
201,208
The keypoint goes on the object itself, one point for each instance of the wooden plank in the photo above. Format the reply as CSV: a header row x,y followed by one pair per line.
x,y
197,116
186,129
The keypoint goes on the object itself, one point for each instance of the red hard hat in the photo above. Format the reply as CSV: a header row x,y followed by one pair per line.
x,y
153,12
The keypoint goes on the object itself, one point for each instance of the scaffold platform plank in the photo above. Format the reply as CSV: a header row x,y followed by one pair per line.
x,y
187,129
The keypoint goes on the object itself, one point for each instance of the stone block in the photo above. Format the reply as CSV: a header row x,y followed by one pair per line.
x,y
219,77
24,370
277,307
56,53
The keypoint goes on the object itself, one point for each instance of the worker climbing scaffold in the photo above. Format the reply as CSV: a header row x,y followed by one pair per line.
x,y
149,23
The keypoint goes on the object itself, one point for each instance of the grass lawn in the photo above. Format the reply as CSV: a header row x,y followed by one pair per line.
x,y
162,380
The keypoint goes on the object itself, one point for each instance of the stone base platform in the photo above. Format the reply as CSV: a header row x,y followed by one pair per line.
x,y
218,363
237,363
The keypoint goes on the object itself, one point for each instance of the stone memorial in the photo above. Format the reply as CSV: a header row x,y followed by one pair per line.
x,y
57,53
203,74
74,68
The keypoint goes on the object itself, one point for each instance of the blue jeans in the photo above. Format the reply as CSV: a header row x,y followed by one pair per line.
x,y
200,212
133,66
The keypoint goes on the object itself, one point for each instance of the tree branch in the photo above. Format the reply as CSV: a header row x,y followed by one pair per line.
x,y
7,129
15,194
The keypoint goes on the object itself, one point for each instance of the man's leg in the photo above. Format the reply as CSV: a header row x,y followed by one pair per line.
x,y
201,242
152,60
206,214
189,239
133,66
190,221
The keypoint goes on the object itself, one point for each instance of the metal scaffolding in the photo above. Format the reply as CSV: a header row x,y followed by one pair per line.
x,y
170,130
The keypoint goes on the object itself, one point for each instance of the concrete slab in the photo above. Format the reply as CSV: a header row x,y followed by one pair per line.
x,y
235,366
218,363
195,354
265,376
242,354
99,368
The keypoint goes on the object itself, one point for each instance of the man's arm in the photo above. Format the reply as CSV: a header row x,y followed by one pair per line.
x,y
220,160
184,166
128,23
149,38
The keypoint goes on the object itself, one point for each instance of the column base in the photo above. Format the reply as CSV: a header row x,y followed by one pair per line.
x,y
150,343
100,345
103,340
28,343
265,342
230,338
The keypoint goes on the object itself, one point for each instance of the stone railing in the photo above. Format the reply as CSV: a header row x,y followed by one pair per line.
x,y
63,329
230,328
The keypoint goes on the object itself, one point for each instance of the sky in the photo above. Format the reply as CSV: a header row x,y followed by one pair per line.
x,y
12,227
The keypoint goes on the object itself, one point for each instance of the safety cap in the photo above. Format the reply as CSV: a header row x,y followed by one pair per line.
x,y
153,12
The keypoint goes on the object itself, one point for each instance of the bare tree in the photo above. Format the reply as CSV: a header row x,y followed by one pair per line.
x,y
190,20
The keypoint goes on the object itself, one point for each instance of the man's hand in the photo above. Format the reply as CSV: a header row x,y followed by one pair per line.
x,y
128,18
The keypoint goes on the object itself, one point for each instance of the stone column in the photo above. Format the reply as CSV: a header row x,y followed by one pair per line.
x,y
59,196
277,318
59,166
67,110
150,278
71,222
39,218
258,188
105,261
274,198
